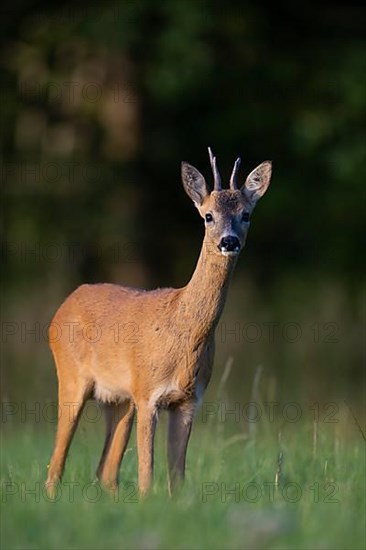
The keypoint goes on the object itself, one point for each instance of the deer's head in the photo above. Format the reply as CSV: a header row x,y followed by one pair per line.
x,y
226,212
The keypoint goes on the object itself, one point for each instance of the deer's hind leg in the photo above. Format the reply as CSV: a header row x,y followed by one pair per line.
x,y
72,395
179,431
119,420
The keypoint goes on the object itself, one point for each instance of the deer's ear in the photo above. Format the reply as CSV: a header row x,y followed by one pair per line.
x,y
194,183
257,182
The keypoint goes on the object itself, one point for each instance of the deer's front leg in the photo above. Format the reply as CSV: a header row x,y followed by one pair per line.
x,y
146,423
179,430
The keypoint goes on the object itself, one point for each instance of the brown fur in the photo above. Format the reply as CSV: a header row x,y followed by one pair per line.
x,y
135,349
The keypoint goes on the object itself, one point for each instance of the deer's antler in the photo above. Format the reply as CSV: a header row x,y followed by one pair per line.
x,y
216,173
234,173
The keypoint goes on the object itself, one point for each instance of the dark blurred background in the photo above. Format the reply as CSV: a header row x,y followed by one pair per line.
x,y
102,101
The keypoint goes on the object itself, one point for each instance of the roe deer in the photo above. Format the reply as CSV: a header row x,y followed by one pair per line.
x,y
167,362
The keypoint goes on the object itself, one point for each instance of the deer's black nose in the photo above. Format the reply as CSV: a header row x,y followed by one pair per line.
x,y
229,244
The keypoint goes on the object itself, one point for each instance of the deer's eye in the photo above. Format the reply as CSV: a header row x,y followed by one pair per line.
x,y
245,217
208,218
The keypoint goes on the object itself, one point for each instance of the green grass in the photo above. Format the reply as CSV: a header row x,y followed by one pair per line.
x,y
228,501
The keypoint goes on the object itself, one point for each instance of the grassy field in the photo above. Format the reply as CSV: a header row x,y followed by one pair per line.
x,y
230,499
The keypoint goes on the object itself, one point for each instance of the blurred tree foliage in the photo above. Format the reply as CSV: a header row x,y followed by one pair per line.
x,y
102,101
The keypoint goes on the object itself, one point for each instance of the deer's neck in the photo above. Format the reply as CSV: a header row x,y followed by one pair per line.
x,y
203,298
